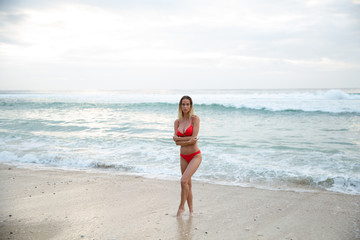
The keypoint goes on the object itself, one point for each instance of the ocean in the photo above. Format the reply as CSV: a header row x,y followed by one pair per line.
x,y
296,139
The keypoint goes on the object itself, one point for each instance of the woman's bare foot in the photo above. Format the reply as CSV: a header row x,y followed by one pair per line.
x,y
180,212
191,211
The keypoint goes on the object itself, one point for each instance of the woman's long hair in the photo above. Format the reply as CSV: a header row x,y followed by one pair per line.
x,y
191,112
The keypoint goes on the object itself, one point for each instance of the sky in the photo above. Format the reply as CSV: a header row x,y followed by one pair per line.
x,y
197,44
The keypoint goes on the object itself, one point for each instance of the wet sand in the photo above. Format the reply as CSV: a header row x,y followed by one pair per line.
x,y
59,204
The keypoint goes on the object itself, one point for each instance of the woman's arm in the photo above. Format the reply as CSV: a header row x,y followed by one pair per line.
x,y
176,138
184,141
176,124
196,127
191,141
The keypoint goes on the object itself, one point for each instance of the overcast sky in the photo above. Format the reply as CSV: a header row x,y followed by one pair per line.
x,y
74,45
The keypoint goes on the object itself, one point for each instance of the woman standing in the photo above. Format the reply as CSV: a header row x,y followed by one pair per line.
x,y
186,129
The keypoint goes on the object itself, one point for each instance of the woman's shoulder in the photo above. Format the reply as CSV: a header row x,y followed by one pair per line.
x,y
195,117
176,121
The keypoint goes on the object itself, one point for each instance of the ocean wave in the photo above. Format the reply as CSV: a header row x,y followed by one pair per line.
x,y
338,94
113,166
336,184
260,107
289,109
278,180
332,101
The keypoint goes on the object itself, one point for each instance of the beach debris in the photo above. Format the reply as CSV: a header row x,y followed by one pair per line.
x,y
9,168
10,215
82,236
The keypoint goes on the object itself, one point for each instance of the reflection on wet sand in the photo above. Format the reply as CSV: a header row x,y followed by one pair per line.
x,y
185,229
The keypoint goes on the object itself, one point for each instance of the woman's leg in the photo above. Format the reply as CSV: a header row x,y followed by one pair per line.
x,y
188,169
183,165
190,199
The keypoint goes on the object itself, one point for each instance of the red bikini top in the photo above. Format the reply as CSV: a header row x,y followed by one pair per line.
x,y
188,131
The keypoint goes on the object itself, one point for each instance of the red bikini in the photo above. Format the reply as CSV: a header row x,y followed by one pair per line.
x,y
188,132
189,157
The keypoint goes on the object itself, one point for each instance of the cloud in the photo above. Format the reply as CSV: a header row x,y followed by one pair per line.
x,y
8,21
232,36
11,18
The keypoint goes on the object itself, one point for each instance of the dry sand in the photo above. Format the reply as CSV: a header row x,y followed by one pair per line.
x,y
58,204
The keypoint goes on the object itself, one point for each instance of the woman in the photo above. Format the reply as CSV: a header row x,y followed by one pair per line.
x,y
186,129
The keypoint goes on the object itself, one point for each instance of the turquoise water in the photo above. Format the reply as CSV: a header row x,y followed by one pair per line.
x,y
303,139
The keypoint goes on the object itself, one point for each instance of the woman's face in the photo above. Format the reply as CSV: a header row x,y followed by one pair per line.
x,y
185,105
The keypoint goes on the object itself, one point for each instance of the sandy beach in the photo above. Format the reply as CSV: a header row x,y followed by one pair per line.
x,y
59,204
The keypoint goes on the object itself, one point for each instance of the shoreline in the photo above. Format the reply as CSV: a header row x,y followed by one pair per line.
x,y
279,186
63,204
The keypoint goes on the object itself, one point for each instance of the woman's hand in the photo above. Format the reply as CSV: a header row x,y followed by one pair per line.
x,y
193,140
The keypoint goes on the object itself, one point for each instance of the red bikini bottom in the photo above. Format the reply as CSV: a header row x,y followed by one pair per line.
x,y
190,156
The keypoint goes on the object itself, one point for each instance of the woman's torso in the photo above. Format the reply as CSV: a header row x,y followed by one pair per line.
x,y
185,127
